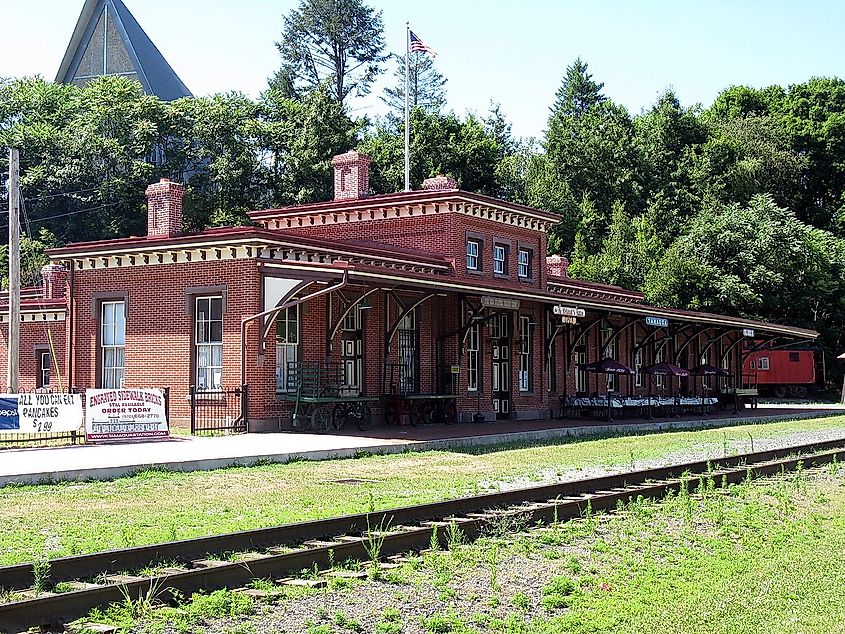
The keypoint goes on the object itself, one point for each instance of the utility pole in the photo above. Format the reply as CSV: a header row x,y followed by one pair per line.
x,y
14,272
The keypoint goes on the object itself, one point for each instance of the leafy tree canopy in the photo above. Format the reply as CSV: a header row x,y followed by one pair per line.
x,y
338,43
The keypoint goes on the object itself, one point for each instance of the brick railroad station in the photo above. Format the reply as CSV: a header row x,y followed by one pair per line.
x,y
437,294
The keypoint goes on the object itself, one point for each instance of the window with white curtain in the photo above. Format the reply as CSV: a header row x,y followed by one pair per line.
x,y
112,343
208,320
287,346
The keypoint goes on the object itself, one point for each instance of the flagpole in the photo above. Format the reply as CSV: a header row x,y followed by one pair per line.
x,y
407,111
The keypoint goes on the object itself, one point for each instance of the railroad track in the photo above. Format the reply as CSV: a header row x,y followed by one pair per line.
x,y
110,576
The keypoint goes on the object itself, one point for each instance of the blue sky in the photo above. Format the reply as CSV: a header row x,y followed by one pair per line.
x,y
512,52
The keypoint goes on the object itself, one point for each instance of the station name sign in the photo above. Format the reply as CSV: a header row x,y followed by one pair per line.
x,y
568,311
661,322
498,302
747,332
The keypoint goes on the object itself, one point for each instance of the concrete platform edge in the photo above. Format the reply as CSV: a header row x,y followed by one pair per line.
x,y
400,446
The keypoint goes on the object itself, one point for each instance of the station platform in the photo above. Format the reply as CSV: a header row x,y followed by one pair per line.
x,y
191,453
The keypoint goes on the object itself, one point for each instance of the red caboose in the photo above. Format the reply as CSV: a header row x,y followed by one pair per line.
x,y
782,372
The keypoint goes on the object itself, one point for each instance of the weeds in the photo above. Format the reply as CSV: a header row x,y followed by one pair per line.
x,y
454,536
374,542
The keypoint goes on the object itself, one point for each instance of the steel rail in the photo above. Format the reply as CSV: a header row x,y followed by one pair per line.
x,y
542,503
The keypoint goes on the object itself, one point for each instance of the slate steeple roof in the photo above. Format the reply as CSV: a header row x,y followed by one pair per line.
x,y
108,40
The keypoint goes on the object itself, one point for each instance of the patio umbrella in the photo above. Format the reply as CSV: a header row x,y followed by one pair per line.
x,y
665,369
607,366
709,370
662,369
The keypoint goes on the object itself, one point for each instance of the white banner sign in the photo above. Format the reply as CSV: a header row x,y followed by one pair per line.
x,y
125,414
39,413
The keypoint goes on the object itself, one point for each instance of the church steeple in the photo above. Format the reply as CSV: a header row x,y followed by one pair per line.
x,y
108,40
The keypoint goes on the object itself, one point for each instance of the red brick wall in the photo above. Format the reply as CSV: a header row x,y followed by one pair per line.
x,y
445,234
34,337
159,327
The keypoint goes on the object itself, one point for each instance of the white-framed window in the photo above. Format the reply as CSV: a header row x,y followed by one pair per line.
x,y
524,353
112,343
208,320
473,261
524,263
659,379
43,378
473,354
500,261
287,346
579,360
352,320
638,367
551,358
763,363
409,361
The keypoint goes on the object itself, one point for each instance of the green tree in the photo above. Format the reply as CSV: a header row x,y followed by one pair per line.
x,y
425,83
590,142
339,43
298,138
578,92
440,144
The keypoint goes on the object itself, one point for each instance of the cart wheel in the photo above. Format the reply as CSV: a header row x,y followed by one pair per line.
x,y
450,411
364,416
422,412
301,421
339,415
321,418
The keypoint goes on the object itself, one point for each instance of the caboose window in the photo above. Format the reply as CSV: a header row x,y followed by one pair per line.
x,y
794,357
763,363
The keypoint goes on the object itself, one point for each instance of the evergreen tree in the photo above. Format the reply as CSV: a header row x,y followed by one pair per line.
x,y
578,92
339,43
425,83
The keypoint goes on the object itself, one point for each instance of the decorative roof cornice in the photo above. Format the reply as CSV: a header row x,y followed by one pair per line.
x,y
406,204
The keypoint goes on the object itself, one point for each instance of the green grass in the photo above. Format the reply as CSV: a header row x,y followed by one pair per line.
x,y
766,558
159,506
762,556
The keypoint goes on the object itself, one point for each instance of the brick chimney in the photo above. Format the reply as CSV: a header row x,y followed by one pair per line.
x,y
164,208
439,182
351,175
557,266
54,281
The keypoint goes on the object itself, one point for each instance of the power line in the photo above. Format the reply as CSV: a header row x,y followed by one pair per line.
x,y
80,191
70,213
73,213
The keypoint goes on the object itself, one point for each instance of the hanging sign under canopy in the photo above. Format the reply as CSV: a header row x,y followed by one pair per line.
x,y
568,311
660,322
499,302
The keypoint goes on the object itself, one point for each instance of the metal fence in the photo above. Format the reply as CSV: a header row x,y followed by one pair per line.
x,y
220,411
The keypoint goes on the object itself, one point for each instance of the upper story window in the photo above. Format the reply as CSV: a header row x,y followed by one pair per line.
x,y
209,343
112,343
473,255
524,263
500,259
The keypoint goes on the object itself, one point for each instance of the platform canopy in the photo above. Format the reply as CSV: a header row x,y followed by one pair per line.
x,y
108,40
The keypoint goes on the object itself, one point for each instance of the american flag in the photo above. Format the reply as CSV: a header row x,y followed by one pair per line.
x,y
421,47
